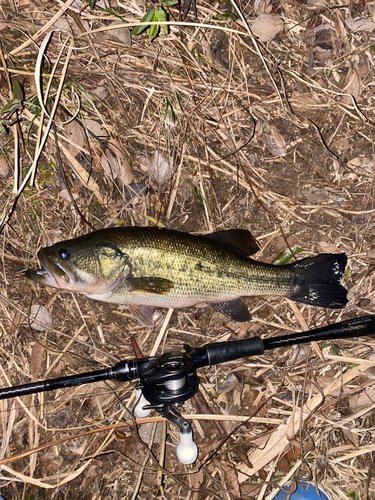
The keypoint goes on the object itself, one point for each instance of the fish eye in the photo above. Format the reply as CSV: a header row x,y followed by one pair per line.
x,y
64,254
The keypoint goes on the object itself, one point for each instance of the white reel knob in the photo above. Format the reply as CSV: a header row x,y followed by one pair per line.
x,y
140,402
187,450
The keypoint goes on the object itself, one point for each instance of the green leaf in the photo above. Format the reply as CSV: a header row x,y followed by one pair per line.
x,y
12,105
91,3
226,15
154,30
17,91
336,350
160,15
177,95
352,494
285,257
146,18
169,3
168,105
107,11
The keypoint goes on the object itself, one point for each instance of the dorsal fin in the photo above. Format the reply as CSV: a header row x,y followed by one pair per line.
x,y
239,240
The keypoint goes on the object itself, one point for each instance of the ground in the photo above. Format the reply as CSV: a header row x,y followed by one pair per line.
x,y
200,129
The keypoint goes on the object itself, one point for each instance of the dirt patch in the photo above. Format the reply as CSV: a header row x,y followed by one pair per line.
x,y
294,168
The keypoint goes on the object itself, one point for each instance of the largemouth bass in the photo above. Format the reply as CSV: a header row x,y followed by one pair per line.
x,y
142,267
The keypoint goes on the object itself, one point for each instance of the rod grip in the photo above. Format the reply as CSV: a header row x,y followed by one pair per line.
x,y
222,352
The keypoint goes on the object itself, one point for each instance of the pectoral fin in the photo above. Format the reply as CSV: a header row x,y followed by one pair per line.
x,y
234,309
161,286
143,314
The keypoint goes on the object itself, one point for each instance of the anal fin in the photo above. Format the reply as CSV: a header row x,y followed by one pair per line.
x,y
235,309
143,314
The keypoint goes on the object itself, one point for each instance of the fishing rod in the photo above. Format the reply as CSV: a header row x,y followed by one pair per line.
x,y
167,381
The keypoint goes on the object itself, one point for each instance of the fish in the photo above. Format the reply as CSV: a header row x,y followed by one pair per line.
x,y
146,267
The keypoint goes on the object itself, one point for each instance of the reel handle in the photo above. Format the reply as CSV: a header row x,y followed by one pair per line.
x,y
187,450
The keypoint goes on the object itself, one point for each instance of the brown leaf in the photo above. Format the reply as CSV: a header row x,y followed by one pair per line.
x,y
358,401
196,479
283,464
4,167
352,436
324,382
290,456
207,50
17,320
230,479
76,135
41,314
326,247
228,385
360,24
145,432
305,102
158,168
352,86
77,445
96,128
250,489
50,463
64,195
101,92
121,34
273,140
241,452
248,400
49,237
267,26
37,356
115,163
363,163
315,195
262,7
279,440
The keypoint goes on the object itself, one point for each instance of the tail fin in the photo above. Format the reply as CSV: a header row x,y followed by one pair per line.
x,y
318,281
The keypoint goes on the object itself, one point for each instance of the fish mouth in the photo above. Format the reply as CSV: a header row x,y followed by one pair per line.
x,y
41,276
59,275
50,274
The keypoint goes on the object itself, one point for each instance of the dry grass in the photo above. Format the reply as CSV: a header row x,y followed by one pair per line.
x,y
296,168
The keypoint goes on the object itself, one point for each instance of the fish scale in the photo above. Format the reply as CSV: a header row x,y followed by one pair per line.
x,y
143,267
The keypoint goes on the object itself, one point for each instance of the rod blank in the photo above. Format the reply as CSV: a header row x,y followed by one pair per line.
x,y
357,327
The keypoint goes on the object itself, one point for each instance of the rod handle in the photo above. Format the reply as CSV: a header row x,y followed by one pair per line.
x,y
222,352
